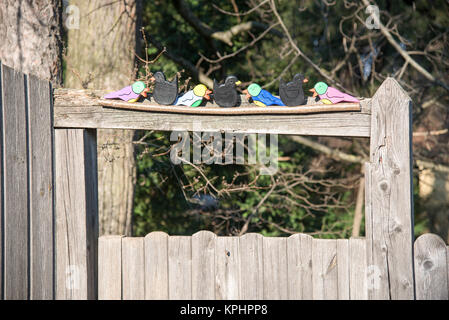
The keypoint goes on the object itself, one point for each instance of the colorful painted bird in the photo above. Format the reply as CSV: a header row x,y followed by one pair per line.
x,y
130,93
329,95
225,94
193,98
292,93
164,92
261,97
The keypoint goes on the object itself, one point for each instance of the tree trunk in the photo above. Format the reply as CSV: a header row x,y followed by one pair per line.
x,y
30,37
100,55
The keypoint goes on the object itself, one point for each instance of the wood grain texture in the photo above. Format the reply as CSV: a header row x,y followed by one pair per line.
x,y
390,231
156,266
133,268
15,188
1,187
299,267
76,213
110,268
179,268
40,131
325,271
431,268
251,266
358,270
81,109
275,272
343,263
227,268
203,265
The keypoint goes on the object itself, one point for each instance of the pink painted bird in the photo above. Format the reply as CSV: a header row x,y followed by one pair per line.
x,y
329,95
130,93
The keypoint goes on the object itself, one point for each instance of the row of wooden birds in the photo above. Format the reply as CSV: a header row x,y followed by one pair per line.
x,y
226,95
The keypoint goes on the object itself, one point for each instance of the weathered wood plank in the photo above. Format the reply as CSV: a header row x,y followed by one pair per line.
x,y
251,266
299,267
133,268
203,265
390,239
325,271
431,268
80,109
358,270
227,268
40,129
15,188
343,262
179,268
275,272
156,266
110,268
76,213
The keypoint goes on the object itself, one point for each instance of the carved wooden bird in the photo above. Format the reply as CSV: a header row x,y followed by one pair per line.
x,y
330,95
225,95
292,93
165,92
130,93
261,97
194,98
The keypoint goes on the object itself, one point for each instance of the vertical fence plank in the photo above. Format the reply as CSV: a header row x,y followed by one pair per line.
x,y
299,260
203,265
227,268
110,268
390,241
156,266
275,284
358,270
1,186
179,268
40,129
343,262
76,213
133,268
431,268
325,273
15,188
251,266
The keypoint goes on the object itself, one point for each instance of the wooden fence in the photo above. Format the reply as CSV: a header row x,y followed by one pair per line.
x,y
49,210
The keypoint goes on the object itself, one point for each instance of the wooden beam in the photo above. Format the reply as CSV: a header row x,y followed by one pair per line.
x,y
82,109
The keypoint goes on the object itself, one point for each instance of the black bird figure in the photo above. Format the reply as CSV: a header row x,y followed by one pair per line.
x,y
164,92
292,93
225,94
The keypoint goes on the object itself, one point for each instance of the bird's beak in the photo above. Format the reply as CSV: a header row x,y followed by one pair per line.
x,y
314,92
152,79
145,91
238,83
248,96
207,94
305,80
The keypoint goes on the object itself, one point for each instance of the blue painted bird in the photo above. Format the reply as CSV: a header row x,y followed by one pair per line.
x,y
261,97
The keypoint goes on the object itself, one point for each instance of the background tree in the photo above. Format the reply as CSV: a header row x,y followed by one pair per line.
x,y
101,55
31,37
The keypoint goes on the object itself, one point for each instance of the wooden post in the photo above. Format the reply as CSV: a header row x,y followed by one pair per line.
x,y
76,214
389,196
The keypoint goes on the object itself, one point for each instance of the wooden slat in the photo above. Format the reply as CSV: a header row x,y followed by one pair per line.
x,y
251,266
325,272
1,187
133,268
390,241
110,268
80,109
358,271
299,259
156,266
15,189
40,128
76,213
179,268
203,265
343,262
275,283
431,268
227,268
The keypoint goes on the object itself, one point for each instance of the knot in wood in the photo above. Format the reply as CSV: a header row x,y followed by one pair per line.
x,y
384,186
428,265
